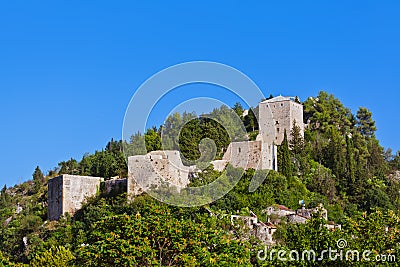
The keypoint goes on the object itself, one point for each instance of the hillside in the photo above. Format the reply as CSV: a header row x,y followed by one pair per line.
x,y
339,163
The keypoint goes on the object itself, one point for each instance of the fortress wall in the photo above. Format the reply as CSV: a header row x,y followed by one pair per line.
x,y
149,168
269,157
66,193
297,114
219,165
116,186
246,154
55,198
266,124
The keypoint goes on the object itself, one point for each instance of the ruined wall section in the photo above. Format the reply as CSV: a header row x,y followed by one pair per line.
x,y
246,154
219,165
115,186
67,193
297,113
147,170
269,156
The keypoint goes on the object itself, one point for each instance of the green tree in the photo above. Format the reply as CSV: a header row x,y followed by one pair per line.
x,y
365,124
136,145
4,261
250,121
238,108
69,167
54,257
395,162
153,140
326,111
335,157
284,158
296,142
350,165
153,236
38,179
4,197
320,179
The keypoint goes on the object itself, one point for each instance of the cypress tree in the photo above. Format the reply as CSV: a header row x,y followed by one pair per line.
x,y
38,179
296,142
350,162
284,157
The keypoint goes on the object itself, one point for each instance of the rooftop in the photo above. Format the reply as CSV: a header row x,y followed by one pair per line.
x,y
279,99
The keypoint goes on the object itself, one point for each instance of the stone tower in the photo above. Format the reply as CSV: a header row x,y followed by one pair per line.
x,y
277,115
66,193
269,150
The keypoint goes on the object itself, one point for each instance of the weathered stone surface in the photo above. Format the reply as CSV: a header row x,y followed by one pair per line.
x,y
66,193
116,186
244,154
219,165
155,168
277,115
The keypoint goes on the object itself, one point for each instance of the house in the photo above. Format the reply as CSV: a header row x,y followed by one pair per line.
x,y
262,231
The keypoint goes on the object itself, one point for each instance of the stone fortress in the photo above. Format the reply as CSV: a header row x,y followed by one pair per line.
x,y
66,193
275,116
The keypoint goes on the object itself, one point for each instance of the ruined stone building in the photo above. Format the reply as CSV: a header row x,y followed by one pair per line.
x,y
276,116
67,192
262,231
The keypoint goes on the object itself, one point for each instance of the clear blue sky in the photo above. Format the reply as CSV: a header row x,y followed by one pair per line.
x,y
69,68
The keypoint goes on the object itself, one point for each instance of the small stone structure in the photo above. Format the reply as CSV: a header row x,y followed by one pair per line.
x,y
297,218
66,193
263,231
308,213
278,210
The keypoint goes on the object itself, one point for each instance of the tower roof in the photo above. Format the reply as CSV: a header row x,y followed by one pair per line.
x,y
278,99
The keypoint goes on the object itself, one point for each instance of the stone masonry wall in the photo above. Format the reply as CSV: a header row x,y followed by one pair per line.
x,y
284,111
246,154
149,168
55,198
66,193
116,186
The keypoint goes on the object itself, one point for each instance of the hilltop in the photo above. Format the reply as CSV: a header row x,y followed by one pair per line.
x,y
339,162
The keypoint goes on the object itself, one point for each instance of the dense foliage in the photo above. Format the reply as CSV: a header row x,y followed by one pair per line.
x,y
338,162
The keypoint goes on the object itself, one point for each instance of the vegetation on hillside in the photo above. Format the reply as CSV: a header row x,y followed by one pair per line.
x,y
339,163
